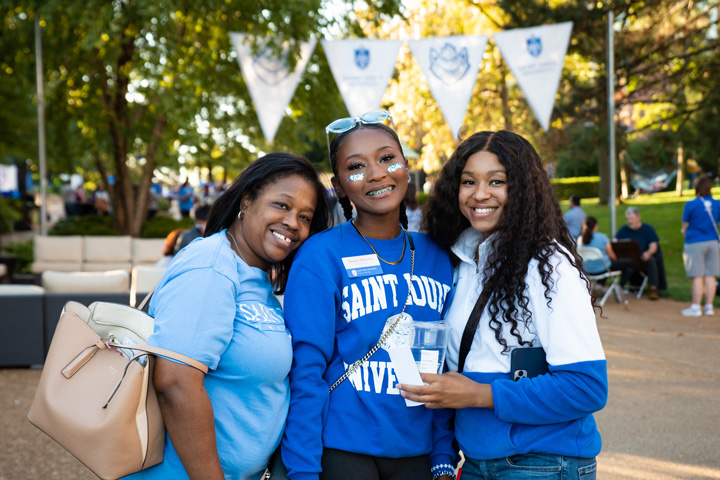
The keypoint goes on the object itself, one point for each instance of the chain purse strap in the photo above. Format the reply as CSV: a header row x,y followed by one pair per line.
x,y
351,369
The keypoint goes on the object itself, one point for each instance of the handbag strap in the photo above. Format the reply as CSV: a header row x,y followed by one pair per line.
x,y
161,352
471,327
351,369
708,207
147,297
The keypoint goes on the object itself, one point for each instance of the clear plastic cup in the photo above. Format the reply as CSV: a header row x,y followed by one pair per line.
x,y
429,344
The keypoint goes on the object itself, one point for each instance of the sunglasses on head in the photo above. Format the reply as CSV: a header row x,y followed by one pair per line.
x,y
342,125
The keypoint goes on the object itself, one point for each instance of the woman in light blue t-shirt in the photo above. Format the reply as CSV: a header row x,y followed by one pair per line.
x,y
591,237
216,304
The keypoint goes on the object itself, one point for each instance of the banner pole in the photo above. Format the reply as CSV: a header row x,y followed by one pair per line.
x,y
611,119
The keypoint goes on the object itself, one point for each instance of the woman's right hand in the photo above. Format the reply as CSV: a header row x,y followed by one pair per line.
x,y
449,390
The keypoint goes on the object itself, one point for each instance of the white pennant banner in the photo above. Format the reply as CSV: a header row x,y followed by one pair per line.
x,y
451,65
362,70
270,83
535,57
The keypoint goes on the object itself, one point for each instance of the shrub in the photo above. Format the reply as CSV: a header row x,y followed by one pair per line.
x,y
10,213
98,225
584,187
422,199
95,225
24,253
161,225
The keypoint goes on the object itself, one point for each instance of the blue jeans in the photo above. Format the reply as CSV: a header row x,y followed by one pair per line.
x,y
535,466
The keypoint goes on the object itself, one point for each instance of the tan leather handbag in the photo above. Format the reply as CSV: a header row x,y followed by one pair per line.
x,y
96,396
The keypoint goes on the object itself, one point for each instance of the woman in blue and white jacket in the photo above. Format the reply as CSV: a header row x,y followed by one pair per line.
x,y
493,208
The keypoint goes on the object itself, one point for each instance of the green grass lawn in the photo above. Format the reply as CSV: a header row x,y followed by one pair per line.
x,y
664,212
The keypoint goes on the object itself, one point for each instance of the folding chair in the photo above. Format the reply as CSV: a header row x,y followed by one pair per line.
x,y
626,248
593,254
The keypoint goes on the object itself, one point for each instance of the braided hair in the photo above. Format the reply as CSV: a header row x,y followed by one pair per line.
x,y
532,227
335,146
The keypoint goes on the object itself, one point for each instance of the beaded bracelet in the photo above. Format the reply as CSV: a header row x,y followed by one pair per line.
x,y
443,469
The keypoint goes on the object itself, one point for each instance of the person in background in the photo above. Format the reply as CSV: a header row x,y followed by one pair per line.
x,y
170,247
591,237
649,242
68,197
700,252
412,209
216,304
186,198
693,170
201,215
155,194
574,217
101,200
519,284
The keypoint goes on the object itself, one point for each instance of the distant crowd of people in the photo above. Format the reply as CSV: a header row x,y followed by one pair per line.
x,y
78,203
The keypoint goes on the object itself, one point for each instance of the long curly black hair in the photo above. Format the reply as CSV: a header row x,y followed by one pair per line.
x,y
262,172
335,146
531,227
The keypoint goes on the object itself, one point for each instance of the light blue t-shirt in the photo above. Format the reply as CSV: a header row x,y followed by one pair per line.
x,y
599,240
700,225
213,307
574,219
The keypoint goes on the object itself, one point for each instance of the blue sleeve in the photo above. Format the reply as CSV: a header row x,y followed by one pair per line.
x,y
567,330
443,452
652,235
570,392
195,314
310,311
686,213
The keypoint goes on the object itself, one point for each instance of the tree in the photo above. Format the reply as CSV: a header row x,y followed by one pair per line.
x,y
664,61
128,82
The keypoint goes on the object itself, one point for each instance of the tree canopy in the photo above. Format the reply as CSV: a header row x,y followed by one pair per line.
x,y
135,85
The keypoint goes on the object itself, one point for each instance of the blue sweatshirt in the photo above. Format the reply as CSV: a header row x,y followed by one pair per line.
x,y
545,414
335,319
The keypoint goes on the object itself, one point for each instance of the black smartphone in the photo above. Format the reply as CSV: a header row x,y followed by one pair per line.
x,y
527,363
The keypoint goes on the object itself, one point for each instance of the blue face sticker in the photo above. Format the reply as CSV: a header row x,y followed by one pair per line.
x,y
355,178
395,167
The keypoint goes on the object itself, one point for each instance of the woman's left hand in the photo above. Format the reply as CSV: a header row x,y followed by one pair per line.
x,y
449,390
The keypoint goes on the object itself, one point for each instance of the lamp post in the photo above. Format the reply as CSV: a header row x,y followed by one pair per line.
x,y
41,125
611,118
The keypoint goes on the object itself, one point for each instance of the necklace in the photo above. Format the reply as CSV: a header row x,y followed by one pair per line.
x,y
375,251
236,245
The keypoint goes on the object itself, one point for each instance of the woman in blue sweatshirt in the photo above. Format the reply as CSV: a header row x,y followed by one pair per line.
x,y
519,284
346,286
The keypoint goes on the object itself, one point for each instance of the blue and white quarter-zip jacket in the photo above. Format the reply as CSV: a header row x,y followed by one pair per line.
x,y
550,413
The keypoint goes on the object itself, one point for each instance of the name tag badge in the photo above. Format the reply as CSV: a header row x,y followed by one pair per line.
x,y
362,266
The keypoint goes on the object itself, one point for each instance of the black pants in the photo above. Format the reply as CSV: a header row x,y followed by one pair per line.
x,y
342,465
625,265
651,269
